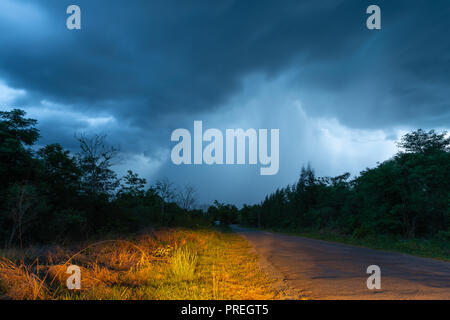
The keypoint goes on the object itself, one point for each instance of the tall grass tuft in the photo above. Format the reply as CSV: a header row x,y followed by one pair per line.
x,y
184,261
19,282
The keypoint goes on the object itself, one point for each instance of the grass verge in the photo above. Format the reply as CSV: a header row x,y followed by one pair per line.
x,y
164,264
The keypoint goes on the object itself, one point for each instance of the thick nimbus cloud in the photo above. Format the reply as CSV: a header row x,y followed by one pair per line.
x,y
329,146
339,93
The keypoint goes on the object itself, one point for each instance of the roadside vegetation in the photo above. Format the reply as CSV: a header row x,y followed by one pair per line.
x,y
161,264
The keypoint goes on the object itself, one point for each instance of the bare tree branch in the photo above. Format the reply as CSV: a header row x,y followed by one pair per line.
x,y
187,197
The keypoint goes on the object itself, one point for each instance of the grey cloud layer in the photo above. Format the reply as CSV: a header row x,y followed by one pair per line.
x,y
154,57
154,66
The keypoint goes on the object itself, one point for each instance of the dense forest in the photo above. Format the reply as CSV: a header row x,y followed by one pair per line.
x,y
406,196
50,194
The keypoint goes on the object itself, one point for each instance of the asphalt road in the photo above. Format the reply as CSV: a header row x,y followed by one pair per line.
x,y
317,269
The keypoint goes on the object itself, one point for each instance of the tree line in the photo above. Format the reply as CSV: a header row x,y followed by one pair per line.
x,y
406,196
49,194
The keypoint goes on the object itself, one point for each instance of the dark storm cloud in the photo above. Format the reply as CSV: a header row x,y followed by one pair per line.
x,y
144,68
155,57
163,56
398,77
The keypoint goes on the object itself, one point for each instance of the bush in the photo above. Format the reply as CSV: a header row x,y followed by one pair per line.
x,y
443,235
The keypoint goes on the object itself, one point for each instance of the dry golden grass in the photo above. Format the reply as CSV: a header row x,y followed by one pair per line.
x,y
163,264
19,282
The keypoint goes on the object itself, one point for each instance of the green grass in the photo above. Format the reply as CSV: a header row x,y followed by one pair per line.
x,y
184,261
427,248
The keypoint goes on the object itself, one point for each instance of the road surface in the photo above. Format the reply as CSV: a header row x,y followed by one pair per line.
x,y
317,269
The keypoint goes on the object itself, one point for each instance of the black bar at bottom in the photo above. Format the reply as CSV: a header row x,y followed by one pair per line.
x,y
227,309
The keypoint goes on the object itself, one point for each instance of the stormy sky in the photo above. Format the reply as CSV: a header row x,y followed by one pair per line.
x,y
340,94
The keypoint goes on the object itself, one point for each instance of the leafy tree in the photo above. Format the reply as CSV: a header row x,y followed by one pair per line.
x,y
17,134
225,213
60,171
14,128
132,186
421,141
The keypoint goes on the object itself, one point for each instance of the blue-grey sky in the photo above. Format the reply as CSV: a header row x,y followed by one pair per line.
x,y
339,93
